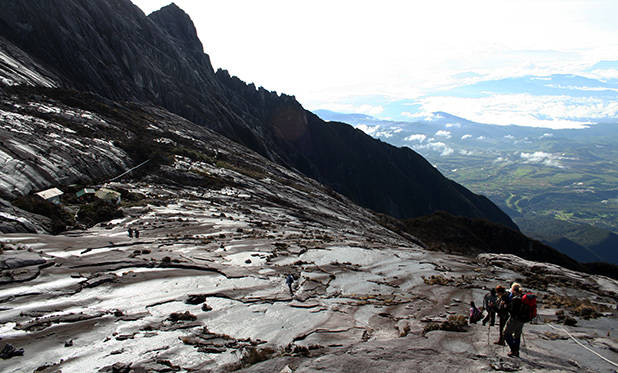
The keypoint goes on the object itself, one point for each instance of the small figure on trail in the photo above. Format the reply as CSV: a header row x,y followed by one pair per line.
x,y
490,304
502,308
475,313
289,280
136,233
515,324
130,231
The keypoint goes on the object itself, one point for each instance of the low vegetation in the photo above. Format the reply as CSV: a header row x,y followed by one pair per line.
x,y
581,307
60,218
454,323
97,212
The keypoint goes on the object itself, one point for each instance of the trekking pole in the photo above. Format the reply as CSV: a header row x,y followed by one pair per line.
x,y
488,330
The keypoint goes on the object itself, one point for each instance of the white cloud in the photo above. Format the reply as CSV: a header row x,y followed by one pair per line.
x,y
375,131
481,138
510,137
438,147
527,110
466,137
453,125
417,137
349,108
466,152
443,133
547,159
547,135
370,130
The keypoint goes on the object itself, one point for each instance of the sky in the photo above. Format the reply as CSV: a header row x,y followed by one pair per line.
x,y
403,60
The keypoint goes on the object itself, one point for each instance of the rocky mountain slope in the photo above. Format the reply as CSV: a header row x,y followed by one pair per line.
x,y
203,287
111,48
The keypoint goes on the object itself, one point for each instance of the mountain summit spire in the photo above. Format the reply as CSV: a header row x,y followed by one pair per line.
x,y
178,25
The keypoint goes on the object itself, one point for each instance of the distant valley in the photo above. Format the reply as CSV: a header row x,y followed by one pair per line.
x,y
559,186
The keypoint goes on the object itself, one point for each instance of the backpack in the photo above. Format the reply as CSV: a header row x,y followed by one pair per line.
x,y
528,307
475,315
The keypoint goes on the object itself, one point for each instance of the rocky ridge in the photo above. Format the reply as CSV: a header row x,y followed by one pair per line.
x,y
110,47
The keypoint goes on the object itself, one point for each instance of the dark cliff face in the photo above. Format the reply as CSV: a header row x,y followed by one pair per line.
x,y
110,47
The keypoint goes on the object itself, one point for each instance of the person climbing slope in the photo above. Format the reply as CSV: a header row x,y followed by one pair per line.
x,y
515,324
289,280
490,305
502,309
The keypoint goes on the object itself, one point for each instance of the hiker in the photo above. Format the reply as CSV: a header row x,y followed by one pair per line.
x,y
490,305
130,231
515,324
289,280
136,233
475,313
502,309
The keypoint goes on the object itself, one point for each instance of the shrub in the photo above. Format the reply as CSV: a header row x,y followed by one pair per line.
x,y
454,323
60,219
436,280
97,212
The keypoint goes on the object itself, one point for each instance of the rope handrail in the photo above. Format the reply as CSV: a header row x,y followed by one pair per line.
x,y
129,170
581,344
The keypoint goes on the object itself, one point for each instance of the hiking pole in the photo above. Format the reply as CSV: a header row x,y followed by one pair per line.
x,y
488,330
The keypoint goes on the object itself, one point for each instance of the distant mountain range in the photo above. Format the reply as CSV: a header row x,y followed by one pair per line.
x,y
560,186
112,49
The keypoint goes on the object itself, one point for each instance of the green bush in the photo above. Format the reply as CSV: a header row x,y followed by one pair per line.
x,y
60,219
98,211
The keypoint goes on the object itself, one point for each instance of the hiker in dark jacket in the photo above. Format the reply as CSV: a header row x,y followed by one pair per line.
x,y
289,280
502,309
514,325
490,305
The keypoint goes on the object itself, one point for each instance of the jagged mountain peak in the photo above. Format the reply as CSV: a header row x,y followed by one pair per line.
x,y
158,60
177,23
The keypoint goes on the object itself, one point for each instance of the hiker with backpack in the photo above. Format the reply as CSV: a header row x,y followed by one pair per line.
x,y
522,309
490,305
502,309
475,313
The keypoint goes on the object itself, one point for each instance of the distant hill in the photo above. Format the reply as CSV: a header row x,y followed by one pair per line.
x,y
442,231
582,242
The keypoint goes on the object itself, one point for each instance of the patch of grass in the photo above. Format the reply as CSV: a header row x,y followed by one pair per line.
x,y
437,280
192,154
454,323
241,169
583,308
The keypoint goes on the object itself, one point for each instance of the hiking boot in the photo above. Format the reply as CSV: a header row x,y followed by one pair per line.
x,y
513,354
